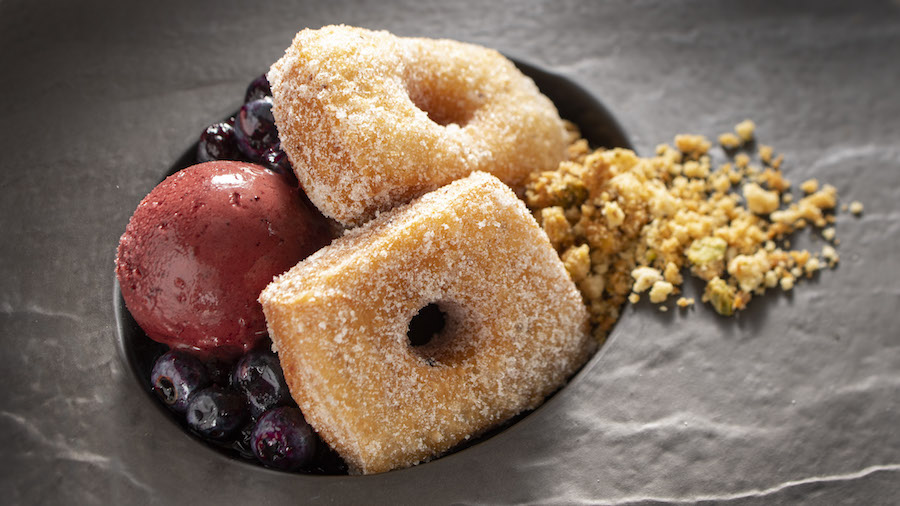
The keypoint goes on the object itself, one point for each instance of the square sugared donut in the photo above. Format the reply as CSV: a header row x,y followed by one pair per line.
x,y
514,325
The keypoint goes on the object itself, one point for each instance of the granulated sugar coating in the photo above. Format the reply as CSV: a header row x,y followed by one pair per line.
x,y
516,325
370,120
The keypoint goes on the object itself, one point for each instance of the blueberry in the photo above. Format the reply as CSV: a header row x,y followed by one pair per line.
x,y
219,371
277,161
243,441
217,413
282,439
217,142
176,376
254,128
259,376
258,88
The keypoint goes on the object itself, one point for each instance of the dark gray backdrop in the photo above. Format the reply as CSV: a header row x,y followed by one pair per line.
x,y
796,400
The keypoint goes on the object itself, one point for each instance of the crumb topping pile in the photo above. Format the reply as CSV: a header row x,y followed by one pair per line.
x,y
626,225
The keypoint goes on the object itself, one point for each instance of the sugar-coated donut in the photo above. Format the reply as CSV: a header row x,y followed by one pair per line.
x,y
516,326
370,120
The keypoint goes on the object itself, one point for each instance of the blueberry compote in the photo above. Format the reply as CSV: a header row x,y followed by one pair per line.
x,y
176,377
243,407
250,135
217,142
282,439
254,128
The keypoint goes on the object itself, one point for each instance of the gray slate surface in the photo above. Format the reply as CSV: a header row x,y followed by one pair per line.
x,y
796,401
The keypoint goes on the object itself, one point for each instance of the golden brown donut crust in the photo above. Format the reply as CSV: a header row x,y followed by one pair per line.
x,y
370,120
516,325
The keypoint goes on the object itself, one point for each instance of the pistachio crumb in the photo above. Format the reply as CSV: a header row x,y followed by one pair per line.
x,y
745,130
625,224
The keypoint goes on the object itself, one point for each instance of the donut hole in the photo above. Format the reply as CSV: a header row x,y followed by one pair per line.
x,y
426,325
434,334
444,101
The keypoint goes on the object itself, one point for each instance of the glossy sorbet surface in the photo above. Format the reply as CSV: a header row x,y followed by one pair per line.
x,y
201,247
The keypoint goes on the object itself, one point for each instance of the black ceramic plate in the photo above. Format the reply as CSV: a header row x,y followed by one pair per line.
x,y
575,104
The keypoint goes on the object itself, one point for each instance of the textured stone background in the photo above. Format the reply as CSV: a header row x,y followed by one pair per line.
x,y
797,400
